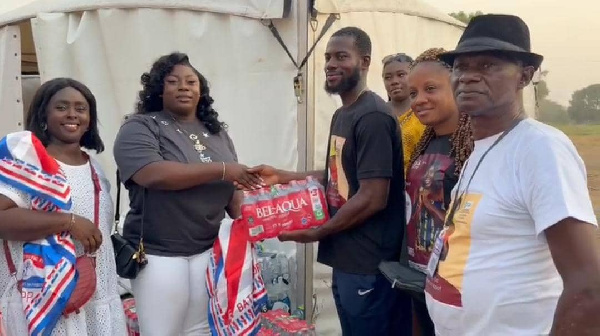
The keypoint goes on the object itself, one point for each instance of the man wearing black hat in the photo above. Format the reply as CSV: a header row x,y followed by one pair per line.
x,y
518,255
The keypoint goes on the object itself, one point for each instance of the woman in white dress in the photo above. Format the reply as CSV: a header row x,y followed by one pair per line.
x,y
63,116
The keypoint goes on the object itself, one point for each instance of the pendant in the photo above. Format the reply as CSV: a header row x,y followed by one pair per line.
x,y
199,147
193,137
205,159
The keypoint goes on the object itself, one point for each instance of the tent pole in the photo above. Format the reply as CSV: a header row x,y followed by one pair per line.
x,y
304,252
11,95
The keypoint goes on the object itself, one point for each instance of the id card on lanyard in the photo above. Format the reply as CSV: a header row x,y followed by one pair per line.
x,y
442,237
438,247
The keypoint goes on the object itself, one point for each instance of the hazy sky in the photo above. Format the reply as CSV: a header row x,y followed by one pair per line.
x,y
566,33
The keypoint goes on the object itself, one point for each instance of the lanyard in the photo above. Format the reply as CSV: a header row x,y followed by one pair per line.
x,y
458,199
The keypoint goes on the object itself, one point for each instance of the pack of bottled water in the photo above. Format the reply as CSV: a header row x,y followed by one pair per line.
x,y
276,273
280,323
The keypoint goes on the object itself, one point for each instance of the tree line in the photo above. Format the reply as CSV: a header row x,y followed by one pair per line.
x,y
584,106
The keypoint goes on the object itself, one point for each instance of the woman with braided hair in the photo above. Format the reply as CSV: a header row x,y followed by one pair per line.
x,y
435,163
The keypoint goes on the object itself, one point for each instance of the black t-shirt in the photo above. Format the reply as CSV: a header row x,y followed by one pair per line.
x,y
364,144
181,222
429,183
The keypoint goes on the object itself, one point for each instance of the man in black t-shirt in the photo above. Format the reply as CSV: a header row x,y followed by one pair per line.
x,y
365,193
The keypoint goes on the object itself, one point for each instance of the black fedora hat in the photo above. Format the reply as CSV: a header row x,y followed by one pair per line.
x,y
506,34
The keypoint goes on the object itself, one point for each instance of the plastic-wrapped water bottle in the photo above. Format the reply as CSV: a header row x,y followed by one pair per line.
x,y
283,287
299,313
275,269
283,263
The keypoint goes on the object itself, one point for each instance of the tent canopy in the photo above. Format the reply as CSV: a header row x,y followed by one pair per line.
x,y
406,7
259,9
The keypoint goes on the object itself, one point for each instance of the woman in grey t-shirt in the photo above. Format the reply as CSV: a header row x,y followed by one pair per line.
x,y
178,164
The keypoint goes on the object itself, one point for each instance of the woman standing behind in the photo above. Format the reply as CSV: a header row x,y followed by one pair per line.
x,y
395,79
178,164
436,162
64,118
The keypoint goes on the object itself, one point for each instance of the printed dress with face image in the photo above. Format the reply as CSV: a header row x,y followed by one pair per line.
x,y
426,183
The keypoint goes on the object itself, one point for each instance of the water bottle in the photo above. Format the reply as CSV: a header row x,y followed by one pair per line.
x,y
283,282
299,313
283,263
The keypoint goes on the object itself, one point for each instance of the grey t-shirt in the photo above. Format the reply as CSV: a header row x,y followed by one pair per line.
x,y
176,223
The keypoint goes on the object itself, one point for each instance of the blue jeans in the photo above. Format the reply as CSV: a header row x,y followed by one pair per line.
x,y
367,305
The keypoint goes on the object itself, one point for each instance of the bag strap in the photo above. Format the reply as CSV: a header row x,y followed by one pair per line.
x,y
141,245
97,190
9,261
118,208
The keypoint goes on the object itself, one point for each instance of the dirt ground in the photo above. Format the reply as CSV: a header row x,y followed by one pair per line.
x,y
587,140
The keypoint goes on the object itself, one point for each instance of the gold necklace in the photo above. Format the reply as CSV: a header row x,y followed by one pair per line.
x,y
194,138
198,147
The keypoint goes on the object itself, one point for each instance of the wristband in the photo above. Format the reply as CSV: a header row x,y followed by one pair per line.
x,y
223,177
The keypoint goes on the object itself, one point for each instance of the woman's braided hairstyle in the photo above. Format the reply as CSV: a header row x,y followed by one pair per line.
x,y
462,138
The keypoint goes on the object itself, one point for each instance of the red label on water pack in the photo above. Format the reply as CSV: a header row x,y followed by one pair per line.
x,y
267,332
284,207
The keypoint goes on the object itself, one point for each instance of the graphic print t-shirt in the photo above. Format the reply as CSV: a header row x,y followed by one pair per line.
x,y
496,275
428,184
364,144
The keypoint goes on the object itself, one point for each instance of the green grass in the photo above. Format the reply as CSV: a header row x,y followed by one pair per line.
x,y
579,130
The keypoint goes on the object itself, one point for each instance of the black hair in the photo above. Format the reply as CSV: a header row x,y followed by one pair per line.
x,y
400,57
37,116
150,99
362,41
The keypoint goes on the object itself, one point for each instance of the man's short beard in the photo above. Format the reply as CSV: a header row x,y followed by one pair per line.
x,y
346,84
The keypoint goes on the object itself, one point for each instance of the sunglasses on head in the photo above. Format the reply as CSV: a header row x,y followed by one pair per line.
x,y
400,57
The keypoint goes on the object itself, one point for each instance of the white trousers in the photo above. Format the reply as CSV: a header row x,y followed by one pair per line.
x,y
171,297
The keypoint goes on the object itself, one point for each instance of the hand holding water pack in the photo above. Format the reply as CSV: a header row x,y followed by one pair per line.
x,y
297,205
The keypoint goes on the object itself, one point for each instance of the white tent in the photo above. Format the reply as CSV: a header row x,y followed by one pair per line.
x,y
108,44
409,26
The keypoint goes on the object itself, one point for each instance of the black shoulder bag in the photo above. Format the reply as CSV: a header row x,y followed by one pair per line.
x,y
129,259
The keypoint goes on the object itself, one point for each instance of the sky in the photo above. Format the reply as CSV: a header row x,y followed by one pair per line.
x,y
566,33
